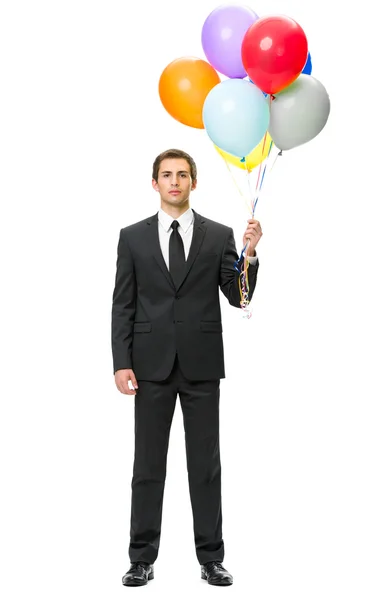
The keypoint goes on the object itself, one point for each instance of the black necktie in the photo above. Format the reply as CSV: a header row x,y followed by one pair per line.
x,y
176,254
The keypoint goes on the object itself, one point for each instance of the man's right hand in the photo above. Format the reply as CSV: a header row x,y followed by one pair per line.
x,y
122,378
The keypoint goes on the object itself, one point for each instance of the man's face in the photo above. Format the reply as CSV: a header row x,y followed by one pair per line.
x,y
174,181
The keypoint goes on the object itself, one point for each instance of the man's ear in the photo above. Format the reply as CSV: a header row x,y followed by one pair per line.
x,y
155,185
194,184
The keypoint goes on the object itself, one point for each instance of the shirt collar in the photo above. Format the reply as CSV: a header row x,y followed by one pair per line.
x,y
185,220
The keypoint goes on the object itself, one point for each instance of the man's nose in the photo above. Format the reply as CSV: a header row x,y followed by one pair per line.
x,y
174,180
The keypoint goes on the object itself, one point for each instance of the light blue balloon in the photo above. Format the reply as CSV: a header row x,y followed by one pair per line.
x,y
236,116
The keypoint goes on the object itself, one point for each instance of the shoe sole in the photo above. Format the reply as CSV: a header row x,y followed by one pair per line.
x,y
216,583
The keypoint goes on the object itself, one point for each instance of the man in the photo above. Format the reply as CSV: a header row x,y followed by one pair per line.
x,y
167,341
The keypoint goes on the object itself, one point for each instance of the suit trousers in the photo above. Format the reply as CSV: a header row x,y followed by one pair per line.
x,y
154,408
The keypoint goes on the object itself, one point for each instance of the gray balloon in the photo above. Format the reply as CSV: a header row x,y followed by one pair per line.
x,y
298,112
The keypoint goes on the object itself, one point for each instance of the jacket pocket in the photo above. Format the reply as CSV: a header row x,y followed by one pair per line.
x,y
214,326
142,327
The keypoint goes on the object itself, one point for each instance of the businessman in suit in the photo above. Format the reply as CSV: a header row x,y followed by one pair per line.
x,y
167,341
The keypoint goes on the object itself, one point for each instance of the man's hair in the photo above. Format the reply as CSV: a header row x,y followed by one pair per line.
x,y
173,153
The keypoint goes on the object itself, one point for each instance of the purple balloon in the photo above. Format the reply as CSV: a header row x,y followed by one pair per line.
x,y
222,36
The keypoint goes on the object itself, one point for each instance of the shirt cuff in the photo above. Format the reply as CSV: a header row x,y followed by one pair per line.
x,y
252,260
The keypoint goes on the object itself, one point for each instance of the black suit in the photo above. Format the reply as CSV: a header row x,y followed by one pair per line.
x,y
172,339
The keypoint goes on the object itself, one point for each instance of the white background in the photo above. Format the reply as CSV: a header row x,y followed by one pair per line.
x,y
81,123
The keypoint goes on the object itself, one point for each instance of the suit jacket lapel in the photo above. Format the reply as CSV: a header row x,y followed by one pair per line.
x,y
155,247
199,230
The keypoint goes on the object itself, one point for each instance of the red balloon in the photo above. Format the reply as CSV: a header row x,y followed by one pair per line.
x,y
274,52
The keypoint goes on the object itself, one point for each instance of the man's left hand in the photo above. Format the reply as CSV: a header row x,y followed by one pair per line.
x,y
252,236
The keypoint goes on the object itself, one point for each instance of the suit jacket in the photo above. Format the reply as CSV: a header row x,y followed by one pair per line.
x,y
152,320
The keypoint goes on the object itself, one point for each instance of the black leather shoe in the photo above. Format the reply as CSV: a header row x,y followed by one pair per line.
x,y
215,574
139,574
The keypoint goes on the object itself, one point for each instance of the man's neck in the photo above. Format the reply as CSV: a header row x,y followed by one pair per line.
x,y
175,211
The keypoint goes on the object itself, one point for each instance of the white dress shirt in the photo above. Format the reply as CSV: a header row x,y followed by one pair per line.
x,y
186,222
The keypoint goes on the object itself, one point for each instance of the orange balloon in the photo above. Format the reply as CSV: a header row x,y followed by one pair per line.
x,y
183,87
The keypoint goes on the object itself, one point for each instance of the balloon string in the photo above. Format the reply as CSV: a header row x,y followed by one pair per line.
x,y
264,161
243,275
259,187
243,282
263,175
263,148
261,163
279,153
243,278
239,189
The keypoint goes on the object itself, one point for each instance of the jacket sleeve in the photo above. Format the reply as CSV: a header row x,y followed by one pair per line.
x,y
229,277
124,306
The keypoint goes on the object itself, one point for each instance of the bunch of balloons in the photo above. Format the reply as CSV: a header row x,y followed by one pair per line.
x,y
268,93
